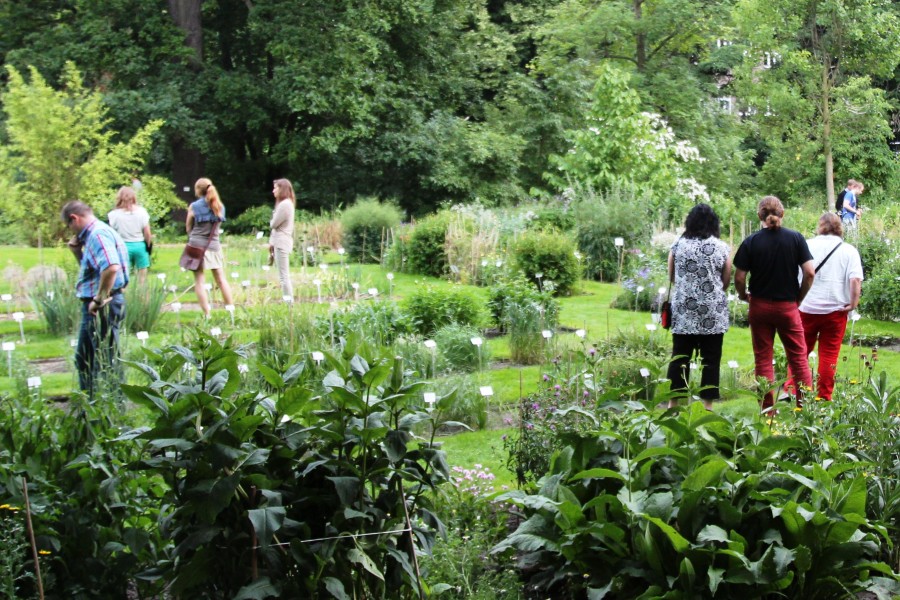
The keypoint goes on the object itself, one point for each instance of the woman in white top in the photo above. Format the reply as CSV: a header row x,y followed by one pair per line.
x,y
281,240
834,293
131,221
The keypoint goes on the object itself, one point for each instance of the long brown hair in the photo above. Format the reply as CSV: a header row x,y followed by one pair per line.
x,y
205,188
770,211
830,224
285,190
126,198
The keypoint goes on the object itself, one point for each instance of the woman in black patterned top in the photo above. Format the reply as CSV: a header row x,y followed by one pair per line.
x,y
700,272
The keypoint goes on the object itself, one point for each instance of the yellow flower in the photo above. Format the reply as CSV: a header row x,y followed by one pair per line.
x,y
798,409
853,382
44,552
9,507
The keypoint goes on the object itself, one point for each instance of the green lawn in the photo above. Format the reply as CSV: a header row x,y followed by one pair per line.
x,y
588,310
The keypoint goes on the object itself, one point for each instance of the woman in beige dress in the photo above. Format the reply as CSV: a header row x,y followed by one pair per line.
x,y
281,240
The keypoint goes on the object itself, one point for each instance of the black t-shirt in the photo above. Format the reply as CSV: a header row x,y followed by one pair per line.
x,y
772,257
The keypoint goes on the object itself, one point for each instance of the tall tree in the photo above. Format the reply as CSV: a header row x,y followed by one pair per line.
x,y
61,148
807,79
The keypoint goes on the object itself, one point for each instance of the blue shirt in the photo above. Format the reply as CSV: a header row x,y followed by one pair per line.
x,y
102,248
203,213
850,198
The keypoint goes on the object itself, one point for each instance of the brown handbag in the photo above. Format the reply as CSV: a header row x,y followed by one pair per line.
x,y
192,256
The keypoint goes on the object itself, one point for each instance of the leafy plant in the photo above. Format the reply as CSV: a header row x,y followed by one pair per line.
x,y
431,308
381,321
143,305
366,225
289,494
550,255
54,299
517,290
880,297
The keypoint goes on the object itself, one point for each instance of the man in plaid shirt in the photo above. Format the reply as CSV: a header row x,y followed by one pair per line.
x,y
101,282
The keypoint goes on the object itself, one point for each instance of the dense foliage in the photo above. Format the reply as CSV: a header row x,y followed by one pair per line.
x,y
491,100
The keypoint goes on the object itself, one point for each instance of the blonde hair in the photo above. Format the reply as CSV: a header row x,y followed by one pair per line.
x,y
285,190
125,197
770,211
830,224
204,188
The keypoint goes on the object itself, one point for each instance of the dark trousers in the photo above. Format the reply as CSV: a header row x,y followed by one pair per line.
x,y
98,342
709,350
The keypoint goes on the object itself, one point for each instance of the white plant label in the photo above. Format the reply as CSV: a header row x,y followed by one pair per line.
x,y
547,334
430,344
486,390
476,341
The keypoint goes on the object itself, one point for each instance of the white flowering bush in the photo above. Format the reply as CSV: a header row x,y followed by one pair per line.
x,y
622,145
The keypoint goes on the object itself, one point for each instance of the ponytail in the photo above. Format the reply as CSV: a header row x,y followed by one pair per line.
x,y
205,189
770,212
213,200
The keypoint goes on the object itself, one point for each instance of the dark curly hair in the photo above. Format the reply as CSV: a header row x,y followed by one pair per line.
x,y
702,222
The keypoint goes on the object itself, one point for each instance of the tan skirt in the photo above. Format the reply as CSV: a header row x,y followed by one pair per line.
x,y
213,259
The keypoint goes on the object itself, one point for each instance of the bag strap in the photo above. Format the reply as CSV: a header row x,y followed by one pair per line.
x,y
825,260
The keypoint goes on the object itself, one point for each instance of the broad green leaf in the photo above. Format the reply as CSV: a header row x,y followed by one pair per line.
x,y
266,522
678,542
362,559
335,588
712,533
347,489
597,474
258,590
270,375
654,452
704,476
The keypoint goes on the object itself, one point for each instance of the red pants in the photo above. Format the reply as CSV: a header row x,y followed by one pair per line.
x,y
768,317
829,331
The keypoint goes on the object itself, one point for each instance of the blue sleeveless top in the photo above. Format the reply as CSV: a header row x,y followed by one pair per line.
x,y
203,214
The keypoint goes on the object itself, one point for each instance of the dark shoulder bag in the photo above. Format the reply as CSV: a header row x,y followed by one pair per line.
x,y
192,256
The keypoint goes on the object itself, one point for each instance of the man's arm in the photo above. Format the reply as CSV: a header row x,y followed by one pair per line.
x,y
855,290
107,280
809,273
740,283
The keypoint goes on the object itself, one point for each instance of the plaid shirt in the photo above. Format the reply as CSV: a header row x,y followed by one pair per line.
x,y
103,247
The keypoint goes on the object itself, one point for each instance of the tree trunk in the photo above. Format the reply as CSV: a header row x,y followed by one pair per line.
x,y
186,15
187,162
640,40
826,136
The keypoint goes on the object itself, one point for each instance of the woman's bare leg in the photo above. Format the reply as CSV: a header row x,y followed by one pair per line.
x,y
200,290
222,282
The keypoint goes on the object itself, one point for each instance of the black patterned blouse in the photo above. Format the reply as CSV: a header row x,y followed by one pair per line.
x,y
699,304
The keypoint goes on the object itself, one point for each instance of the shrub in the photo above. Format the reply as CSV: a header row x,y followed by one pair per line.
x,y
430,308
427,246
366,226
472,240
517,290
379,321
880,297
455,344
550,254
873,250
251,220
601,219
557,217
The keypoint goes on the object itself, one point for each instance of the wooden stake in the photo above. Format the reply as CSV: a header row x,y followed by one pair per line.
x,y
34,550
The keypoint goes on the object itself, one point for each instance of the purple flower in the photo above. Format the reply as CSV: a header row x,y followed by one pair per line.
x,y
546,377
556,387
586,393
503,437
592,351
644,273
535,406
529,426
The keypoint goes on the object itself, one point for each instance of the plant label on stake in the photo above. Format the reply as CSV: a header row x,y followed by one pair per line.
x,y
431,345
259,235
235,275
430,398
215,331
19,317
318,284
287,298
355,287
546,334
390,278
33,383
373,292
161,277
477,342
486,391
318,357
580,333
8,347
143,336
229,308
650,326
